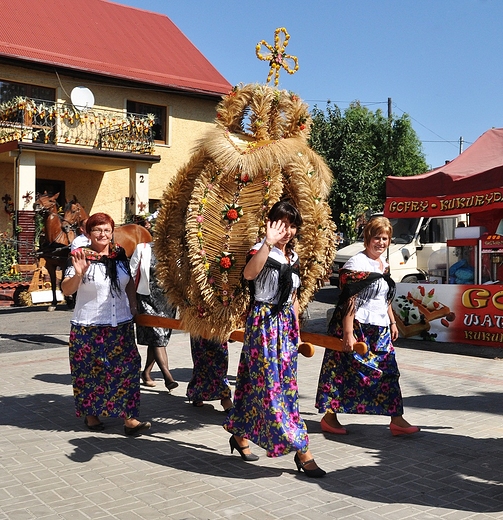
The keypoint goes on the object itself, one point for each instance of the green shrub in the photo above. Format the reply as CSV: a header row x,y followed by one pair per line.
x,y
8,259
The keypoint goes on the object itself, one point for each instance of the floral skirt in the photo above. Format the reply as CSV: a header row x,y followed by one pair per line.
x,y
266,402
105,366
209,374
368,384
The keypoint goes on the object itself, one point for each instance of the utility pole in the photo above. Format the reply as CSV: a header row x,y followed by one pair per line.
x,y
461,144
388,154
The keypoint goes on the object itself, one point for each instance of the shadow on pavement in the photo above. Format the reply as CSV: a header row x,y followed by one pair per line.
x,y
429,469
34,309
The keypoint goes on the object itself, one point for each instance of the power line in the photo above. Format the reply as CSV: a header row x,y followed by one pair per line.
x,y
334,101
443,140
454,143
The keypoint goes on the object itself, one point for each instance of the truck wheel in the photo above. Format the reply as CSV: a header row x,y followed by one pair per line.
x,y
413,278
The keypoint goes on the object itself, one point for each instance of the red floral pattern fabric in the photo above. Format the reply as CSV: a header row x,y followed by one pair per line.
x,y
209,375
266,406
105,366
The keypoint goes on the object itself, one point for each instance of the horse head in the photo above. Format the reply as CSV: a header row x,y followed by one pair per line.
x,y
73,216
46,203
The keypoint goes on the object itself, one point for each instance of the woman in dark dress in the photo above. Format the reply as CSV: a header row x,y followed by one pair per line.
x,y
151,299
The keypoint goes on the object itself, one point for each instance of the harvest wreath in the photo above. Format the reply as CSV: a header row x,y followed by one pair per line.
x,y
215,209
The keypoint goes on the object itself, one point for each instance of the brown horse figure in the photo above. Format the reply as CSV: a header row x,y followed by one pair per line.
x,y
59,231
130,235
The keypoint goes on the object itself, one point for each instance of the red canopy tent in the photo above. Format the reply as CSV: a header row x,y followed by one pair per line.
x,y
471,183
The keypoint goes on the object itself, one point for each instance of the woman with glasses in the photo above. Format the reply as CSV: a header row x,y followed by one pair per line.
x,y
104,360
368,384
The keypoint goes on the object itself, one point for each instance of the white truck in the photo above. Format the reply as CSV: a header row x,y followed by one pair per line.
x,y
418,248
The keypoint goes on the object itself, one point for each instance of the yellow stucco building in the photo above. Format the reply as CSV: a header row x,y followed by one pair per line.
x,y
99,101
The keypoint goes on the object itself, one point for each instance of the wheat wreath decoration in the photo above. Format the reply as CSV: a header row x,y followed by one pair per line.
x,y
215,209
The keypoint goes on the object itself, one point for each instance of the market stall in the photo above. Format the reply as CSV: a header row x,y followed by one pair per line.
x,y
468,306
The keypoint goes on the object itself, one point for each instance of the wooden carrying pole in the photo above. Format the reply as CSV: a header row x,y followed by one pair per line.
x,y
305,348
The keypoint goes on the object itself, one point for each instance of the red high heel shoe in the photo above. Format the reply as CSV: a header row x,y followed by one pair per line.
x,y
399,430
330,429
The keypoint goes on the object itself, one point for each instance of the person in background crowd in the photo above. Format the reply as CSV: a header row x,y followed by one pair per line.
x,y
81,240
151,299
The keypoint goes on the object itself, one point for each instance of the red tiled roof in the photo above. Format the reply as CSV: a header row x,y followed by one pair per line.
x,y
102,37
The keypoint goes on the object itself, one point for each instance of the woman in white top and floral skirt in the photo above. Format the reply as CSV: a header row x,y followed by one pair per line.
x,y
364,384
104,359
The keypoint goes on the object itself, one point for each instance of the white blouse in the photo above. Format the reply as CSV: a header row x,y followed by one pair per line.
x,y
96,303
374,311
141,260
266,290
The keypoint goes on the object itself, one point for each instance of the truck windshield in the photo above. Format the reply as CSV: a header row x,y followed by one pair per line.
x,y
403,229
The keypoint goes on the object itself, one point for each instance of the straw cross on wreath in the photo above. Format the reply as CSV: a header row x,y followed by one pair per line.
x,y
276,55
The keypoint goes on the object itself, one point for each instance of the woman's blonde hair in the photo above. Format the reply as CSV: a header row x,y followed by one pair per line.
x,y
375,227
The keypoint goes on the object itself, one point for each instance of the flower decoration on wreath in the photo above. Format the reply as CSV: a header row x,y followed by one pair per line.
x,y
225,261
232,213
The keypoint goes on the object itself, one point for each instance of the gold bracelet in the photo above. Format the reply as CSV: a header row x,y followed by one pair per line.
x,y
80,275
270,246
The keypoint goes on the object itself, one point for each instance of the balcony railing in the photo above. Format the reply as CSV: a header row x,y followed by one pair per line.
x,y
26,119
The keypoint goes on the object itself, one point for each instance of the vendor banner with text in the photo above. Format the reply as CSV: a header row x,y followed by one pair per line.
x,y
408,207
450,313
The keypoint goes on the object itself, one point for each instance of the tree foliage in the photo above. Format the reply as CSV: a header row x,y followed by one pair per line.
x,y
362,148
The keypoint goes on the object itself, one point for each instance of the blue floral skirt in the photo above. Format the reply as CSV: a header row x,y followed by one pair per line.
x,y
105,366
209,374
350,383
266,402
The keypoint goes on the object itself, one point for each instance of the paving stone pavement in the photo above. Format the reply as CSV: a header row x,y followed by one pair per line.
x,y
51,467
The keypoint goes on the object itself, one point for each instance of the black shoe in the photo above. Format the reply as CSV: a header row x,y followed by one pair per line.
x,y
94,427
171,386
313,473
234,445
136,430
229,408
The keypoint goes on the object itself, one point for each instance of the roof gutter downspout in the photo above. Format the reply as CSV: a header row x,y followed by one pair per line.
x,y
16,195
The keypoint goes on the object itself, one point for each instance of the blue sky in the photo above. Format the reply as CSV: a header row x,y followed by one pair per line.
x,y
440,61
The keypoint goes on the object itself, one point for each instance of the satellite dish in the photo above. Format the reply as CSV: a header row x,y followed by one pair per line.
x,y
82,98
